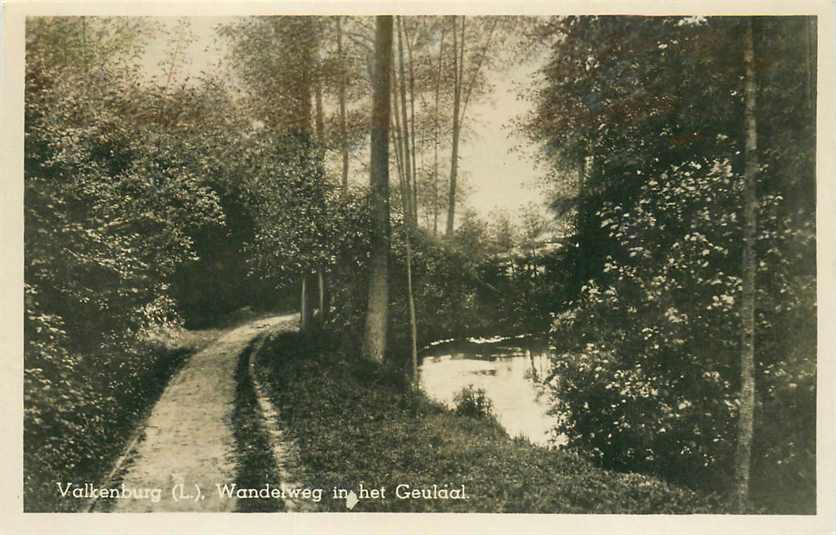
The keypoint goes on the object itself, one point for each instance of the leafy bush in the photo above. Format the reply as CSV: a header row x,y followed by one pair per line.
x,y
647,360
473,402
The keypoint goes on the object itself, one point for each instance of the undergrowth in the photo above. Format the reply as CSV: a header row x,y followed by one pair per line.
x,y
357,423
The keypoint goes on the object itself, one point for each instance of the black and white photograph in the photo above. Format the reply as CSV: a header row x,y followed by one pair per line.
x,y
337,262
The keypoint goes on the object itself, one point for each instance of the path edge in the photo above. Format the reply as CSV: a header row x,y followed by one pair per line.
x,y
284,448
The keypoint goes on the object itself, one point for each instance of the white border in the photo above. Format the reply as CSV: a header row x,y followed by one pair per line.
x,y
11,294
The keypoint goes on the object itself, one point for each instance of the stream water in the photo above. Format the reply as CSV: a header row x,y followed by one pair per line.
x,y
512,371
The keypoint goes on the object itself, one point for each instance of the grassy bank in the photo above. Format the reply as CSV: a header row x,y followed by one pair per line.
x,y
254,461
356,426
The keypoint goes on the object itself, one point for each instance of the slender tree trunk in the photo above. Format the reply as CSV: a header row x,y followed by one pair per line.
x,y
300,120
341,98
322,284
811,57
341,90
458,68
84,50
479,61
414,191
397,136
437,133
300,127
410,294
319,125
460,108
811,29
748,305
405,151
320,120
86,64
377,314
413,321
303,305
407,199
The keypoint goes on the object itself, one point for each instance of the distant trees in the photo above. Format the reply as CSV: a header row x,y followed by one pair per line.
x,y
468,71
292,67
288,65
433,72
447,59
458,82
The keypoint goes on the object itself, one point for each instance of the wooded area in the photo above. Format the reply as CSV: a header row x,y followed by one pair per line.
x,y
674,273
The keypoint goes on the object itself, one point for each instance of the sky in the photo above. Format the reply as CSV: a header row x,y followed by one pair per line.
x,y
497,178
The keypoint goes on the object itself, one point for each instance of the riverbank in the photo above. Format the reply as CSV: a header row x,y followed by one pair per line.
x,y
356,425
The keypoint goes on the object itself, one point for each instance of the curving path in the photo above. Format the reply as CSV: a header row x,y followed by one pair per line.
x,y
188,438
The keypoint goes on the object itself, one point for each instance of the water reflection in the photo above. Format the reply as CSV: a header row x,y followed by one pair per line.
x,y
512,373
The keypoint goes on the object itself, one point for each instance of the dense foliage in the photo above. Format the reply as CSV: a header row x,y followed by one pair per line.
x,y
120,195
648,343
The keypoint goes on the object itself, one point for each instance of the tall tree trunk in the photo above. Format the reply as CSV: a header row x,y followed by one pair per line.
x,y
341,98
397,135
319,125
322,284
811,57
458,68
437,133
410,294
811,29
407,200
414,191
299,125
413,321
405,150
320,119
300,120
479,61
460,108
84,51
748,305
377,313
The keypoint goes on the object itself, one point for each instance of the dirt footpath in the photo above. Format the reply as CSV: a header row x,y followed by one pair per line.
x,y
188,440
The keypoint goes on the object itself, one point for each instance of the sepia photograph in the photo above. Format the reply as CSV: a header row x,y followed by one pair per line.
x,y
436,263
